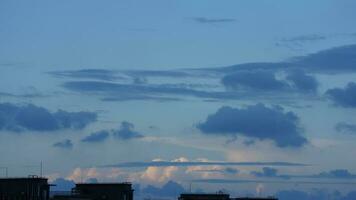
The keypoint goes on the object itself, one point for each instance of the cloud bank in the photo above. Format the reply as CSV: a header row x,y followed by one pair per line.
x,y
30,117
256,121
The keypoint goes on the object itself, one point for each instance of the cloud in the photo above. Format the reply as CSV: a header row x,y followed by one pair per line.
x,y
243,181
337,59
26,95
99,136
170,189
134,91
256,121
340,59
126,132
337,173
204,20
269,172
138,97
200,163
61,184
315,194
227,170
65,144
266,172
302,81
80,175
346,127
159,174
97,74
305,38
344,97
157,73
260,80
33,118
266,81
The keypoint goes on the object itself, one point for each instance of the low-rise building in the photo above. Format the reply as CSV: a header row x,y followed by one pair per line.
x,y
99,191
32,187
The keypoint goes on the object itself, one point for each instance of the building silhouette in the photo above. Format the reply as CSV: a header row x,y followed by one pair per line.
x,y
37,188
99,191
30,188
219,196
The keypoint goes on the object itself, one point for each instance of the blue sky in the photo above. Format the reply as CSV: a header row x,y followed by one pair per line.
x,y
87,84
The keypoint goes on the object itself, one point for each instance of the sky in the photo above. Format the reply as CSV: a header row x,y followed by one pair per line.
x,y
178,95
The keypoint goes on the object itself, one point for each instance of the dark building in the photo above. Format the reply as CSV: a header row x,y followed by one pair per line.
x,y
218,196
255,198
99,191
31,188
204,197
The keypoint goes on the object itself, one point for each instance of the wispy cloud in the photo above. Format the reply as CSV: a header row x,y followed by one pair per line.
x,y
241,181
205,20
200,163
65,144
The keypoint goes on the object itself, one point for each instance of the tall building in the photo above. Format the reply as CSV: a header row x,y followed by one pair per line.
x,y
30,188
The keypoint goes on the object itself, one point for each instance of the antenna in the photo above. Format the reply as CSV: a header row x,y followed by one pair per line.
x,y
41,169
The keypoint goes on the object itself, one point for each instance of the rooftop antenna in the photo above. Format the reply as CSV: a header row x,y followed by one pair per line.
x,y
41,169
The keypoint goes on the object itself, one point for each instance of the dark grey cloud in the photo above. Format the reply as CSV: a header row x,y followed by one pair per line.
x,y
33,118
170,189
260,80
337,59
98,74
198,163
269,172
315,194
65,144
344,127
265,81
334,174
250,67
301,81
99,136
334,60
256,121
126,132
205,20
266,172
26,95
344,97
